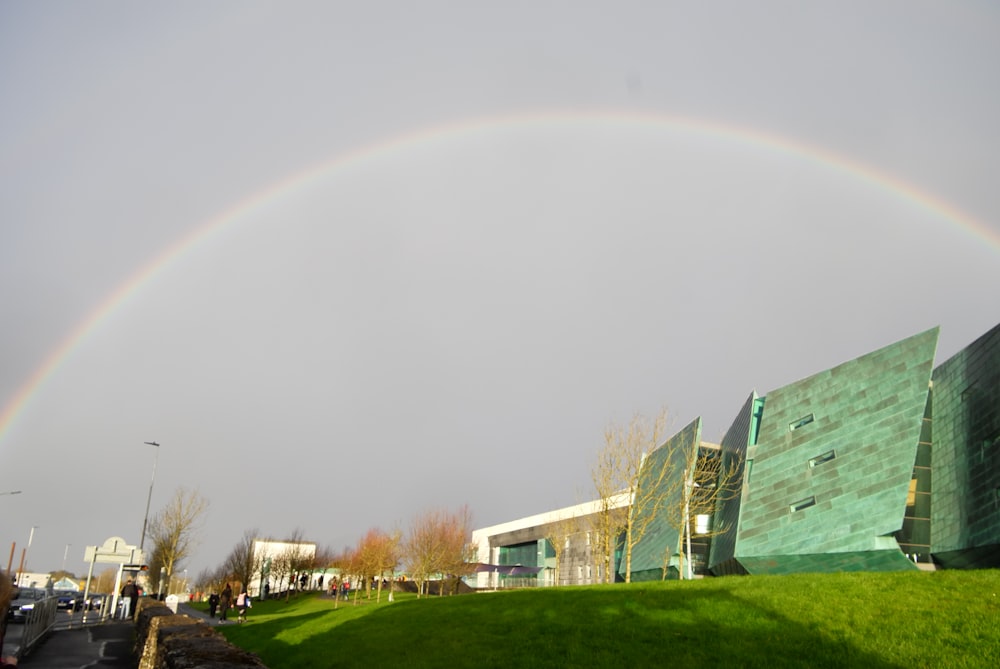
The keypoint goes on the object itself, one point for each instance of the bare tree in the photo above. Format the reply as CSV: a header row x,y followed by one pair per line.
x,y
155,569
558,534
174,529
707,481
459,557
105,580
605,525
346,562
204,581
281,570
376,556
422,548
617,471
244,561
438,544
325,559
296,558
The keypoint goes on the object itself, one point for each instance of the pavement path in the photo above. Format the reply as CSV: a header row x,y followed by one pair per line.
x,y
107,644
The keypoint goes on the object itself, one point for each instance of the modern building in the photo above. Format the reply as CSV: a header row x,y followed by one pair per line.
x,y
281,564
965,513
881,463
560,547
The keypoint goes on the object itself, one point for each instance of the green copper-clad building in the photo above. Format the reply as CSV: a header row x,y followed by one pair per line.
x,y
835,464
965,512
881,463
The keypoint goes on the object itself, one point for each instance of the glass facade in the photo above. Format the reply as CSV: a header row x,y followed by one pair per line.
x,y
525,555
915,536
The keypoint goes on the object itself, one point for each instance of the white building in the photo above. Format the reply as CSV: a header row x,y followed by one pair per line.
x,y
520,552
278,559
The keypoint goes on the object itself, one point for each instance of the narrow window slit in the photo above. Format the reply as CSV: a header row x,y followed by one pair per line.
x,y
820,459
803,504
801,422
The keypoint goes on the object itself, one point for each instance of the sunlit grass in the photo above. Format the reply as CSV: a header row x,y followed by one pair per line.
x,y
944,619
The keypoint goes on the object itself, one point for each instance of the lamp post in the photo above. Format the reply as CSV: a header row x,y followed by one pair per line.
x,y
65,553
24,555
145,520
11,492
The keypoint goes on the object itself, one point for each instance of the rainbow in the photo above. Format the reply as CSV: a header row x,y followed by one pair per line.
x,y
752,138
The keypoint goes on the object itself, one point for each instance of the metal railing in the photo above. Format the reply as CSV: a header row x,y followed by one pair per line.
x,y
39,622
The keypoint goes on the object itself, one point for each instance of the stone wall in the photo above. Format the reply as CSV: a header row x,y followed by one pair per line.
x,y
166,640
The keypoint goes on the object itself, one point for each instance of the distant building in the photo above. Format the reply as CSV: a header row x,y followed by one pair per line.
x,y
880,463
27,579
282,562
66,584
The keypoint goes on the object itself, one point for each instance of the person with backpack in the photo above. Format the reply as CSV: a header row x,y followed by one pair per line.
x,y
242,604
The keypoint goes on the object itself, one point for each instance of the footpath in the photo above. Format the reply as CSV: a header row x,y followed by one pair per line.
x,y
107,644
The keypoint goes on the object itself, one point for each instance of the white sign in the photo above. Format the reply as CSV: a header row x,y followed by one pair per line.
x,y
114,551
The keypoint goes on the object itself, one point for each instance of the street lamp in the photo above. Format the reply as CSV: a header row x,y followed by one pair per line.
x,y
11,492
24,555
65,553
145,519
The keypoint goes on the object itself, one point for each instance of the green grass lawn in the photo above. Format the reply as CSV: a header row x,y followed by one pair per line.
x,y
911,619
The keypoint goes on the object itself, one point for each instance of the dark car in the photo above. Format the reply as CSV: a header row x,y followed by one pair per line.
x,y
96,602
24,602
70,600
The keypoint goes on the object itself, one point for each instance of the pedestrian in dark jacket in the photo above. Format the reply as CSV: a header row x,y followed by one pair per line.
x,y
225,601
130,597
213,604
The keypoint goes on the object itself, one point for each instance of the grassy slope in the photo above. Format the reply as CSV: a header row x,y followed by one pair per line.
x,y
943,619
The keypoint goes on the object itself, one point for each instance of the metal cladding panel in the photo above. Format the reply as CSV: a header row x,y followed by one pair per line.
x,y
661,539
734,448
965,509
834,457
885,560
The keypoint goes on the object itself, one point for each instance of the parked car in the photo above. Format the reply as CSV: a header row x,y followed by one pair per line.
x,y
96,601
24,602
70,600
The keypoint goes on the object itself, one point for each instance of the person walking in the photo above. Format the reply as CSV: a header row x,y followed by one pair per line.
x,y
213,605
242,604
130,597
225,601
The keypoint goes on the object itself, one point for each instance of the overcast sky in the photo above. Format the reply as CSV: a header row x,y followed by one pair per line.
x,y
348,262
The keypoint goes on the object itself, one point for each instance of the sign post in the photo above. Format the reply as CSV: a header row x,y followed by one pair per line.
x,y
112,551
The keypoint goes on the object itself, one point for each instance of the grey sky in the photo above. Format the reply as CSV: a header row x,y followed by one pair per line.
x,y
455,318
